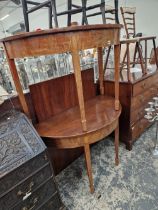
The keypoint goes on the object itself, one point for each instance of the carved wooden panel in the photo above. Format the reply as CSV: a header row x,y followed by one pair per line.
x,y
26,175
19,142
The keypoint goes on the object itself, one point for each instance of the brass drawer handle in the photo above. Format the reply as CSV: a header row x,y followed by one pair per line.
x,y
28,193
30,208
142,98
143,85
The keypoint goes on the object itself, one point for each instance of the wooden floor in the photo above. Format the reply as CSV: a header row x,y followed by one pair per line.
x,y
100,113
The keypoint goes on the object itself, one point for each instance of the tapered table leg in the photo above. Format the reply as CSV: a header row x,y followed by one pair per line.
x,y
117,145
89,166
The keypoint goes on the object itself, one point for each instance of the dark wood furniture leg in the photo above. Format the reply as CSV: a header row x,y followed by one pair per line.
x,y
26,19
129,145
50,16
117,74
102,8
54,13
69,7
84,17
116,11
89,166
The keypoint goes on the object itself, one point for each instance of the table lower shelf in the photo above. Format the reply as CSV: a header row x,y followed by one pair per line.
x,y
65,131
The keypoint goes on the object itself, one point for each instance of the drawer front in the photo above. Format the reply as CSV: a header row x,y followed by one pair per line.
x,y
37,198
137,115
142,99
22,172
28,186
53,204
138,128
145,84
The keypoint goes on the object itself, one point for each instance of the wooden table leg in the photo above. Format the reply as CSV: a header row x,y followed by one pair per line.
x,y
128,63
117,145
89,166
117,74
134,57
144,71
123,61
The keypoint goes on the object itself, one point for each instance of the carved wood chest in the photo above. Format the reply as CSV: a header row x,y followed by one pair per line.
x,y
26,176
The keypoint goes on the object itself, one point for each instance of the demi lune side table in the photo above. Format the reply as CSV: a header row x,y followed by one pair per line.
x,y
91,120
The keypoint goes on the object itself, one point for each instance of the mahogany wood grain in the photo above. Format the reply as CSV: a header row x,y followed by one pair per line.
x,y
60,158
46,42
100,112
56,95
134,97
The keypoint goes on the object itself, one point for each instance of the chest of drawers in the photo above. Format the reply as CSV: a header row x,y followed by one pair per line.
x,y
134,98
26,176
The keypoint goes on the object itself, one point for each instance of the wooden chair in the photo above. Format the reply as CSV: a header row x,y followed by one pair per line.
x,y
71,10
83,8
109,14
50,4
128,16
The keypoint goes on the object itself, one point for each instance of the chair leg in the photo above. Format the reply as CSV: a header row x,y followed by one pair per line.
x,y
134,57
53,3
141,58
155,52
84,16
102,8
117,145
26,19
128,63
116,11
89,166
146,52
123,61
107,58
69,4
50,16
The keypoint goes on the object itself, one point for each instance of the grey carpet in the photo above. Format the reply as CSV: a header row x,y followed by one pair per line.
x,y
133,185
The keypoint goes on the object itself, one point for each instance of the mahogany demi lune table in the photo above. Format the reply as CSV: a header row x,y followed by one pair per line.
x,y
92,119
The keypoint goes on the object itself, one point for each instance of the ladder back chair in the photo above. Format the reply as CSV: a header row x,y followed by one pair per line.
x,y
128,16
139,57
